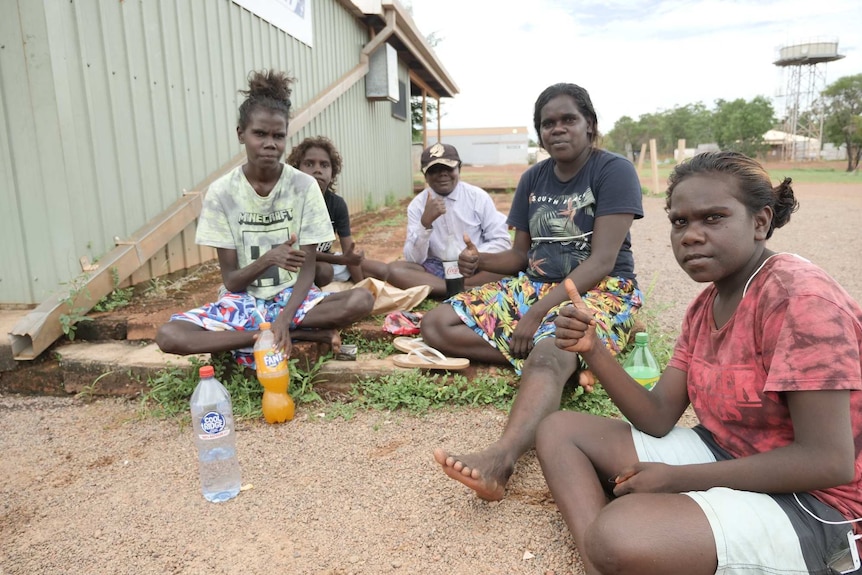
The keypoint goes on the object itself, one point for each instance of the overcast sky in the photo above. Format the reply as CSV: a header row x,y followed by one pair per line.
x,y
634,57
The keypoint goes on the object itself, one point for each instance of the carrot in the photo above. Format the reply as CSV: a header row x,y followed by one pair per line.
x,y
573,293
587,380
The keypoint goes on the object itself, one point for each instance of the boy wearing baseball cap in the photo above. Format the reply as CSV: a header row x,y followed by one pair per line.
x,y
447,207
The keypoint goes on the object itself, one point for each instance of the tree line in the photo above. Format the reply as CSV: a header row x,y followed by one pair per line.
x,y
740,124
731,124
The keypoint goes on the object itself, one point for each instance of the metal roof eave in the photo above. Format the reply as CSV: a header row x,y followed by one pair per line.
x,y
411,45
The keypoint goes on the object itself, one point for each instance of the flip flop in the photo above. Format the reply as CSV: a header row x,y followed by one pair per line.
x,y
408,344
426,357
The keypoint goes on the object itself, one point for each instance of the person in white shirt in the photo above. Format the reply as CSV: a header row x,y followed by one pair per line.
x,y
446,208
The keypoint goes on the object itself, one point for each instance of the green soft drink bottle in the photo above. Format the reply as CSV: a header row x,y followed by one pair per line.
x,y
641,364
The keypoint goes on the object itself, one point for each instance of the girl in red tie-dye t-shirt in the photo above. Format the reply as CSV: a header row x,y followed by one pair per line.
x,y
770,358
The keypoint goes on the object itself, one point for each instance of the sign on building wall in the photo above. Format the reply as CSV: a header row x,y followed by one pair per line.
x,y
292,16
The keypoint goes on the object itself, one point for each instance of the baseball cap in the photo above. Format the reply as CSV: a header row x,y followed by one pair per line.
x,y
440,154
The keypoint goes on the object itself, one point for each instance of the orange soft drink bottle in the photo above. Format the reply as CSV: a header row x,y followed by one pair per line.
x,y
273,374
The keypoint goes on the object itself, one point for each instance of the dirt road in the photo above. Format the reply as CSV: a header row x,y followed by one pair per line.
x,y
89,488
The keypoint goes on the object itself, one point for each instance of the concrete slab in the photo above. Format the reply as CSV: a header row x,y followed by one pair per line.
x,y
122,368
114,367
336,378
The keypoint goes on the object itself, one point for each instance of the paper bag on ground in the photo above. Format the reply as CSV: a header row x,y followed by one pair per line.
x,y
388,298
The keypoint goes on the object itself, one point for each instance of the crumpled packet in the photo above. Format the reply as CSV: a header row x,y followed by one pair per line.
x,y
402,322
346,353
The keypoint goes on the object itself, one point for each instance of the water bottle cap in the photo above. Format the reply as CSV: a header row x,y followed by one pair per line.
x,y
265,325
206,371
642,337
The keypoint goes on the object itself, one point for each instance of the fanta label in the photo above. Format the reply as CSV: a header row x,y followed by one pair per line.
x,y
273,359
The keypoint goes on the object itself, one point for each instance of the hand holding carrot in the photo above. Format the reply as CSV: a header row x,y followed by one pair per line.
x,y
575,323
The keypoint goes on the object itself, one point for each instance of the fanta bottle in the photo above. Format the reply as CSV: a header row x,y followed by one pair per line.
x,y
273,374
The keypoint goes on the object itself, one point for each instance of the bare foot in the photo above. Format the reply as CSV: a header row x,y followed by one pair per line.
x,y
486,472
330,336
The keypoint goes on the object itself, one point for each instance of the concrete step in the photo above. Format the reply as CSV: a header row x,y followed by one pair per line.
x,y
122,368
103,360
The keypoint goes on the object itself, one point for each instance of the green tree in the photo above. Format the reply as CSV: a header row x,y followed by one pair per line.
x,y
739,125
692,122
624,131
416,101
843,124
416,115
652,126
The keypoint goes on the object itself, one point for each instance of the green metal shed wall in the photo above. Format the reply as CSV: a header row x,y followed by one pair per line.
x,y
109,110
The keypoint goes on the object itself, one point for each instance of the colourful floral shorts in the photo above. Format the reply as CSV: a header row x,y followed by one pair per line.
x,y
244,312
492,310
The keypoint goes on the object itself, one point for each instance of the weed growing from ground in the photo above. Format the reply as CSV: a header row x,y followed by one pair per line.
x,y
74,314
370,204
302,380
120,297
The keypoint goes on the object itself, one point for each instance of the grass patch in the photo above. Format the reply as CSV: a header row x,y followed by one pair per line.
x,y
835,173
396,221
418,392
414,391
170,390
597,402
381,348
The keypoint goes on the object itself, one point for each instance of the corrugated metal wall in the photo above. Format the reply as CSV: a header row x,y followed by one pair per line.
x,y
109,110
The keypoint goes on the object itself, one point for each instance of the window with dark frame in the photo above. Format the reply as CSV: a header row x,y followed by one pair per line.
x,y
399,108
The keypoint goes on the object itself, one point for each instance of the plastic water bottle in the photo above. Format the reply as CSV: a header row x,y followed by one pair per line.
x,y
273,373
215,438
641,364
454,279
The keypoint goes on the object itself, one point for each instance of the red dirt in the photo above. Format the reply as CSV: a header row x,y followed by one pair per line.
x,y
381,234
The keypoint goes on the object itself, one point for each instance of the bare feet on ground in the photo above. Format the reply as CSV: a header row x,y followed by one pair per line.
x,y
486,472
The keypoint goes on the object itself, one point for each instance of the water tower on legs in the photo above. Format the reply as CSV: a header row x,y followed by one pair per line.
x,y
804,68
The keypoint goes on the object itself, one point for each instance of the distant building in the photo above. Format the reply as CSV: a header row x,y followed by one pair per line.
x,y
686,154
488,146
832,152
803,147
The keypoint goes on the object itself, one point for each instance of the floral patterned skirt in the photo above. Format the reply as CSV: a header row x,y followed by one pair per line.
x,y
492,310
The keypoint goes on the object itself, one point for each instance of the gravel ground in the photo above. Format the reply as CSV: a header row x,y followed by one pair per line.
x,y
89,487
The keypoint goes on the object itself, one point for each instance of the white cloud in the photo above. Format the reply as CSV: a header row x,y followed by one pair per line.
x,y
634,57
